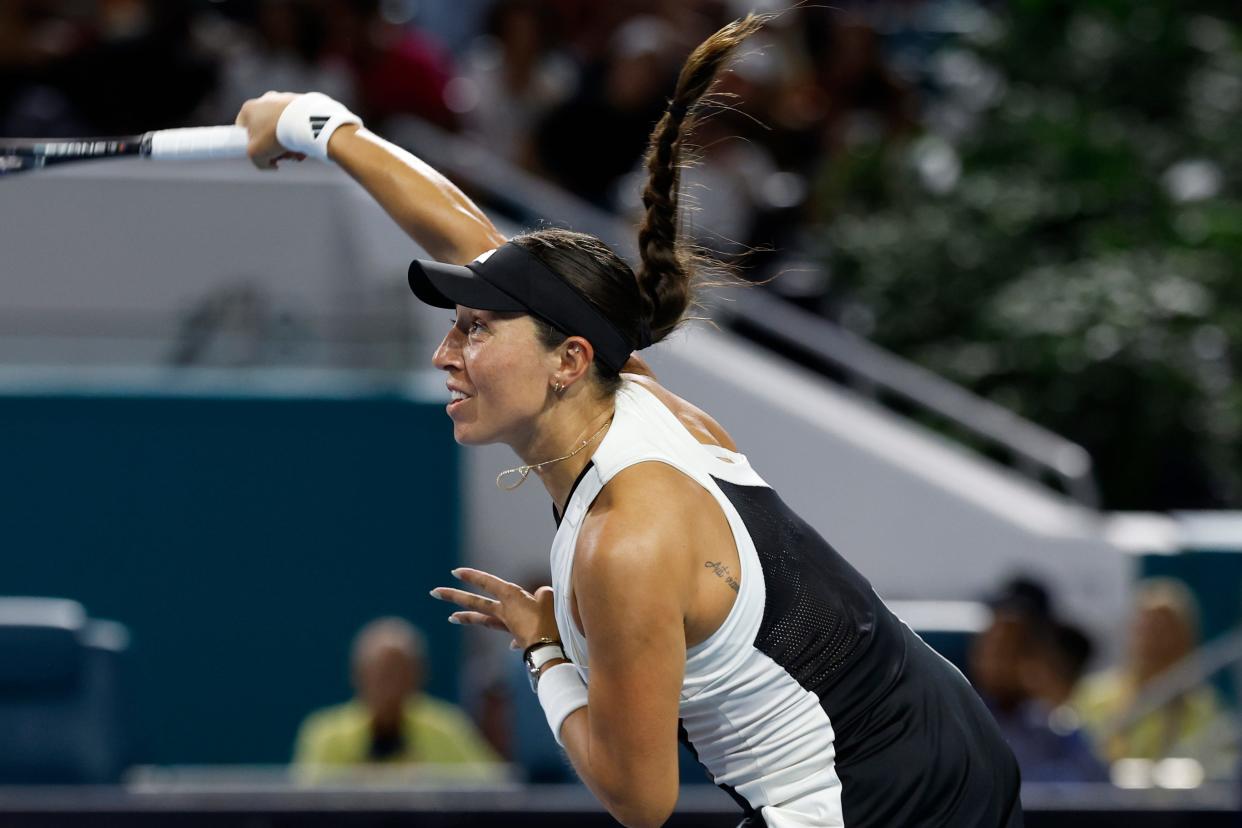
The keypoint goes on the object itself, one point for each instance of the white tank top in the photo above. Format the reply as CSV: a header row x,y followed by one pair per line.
x,y
760,734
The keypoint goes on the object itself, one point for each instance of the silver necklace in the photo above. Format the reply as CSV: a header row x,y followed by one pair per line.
x,y
524,471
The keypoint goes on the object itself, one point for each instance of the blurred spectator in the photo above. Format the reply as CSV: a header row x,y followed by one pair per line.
x,y
391,721
1044,737
285,51
1163,631
74,68
587,26
512,77
597,136
862,99
1055,662
995,654
398,70
33,41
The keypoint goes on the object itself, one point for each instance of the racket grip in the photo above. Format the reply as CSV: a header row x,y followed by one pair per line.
x,y
198,142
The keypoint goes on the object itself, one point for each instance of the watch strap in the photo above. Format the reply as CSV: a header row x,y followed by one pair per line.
x,y
541,654
539,642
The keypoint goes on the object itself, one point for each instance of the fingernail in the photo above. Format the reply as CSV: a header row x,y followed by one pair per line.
x,y
435,593
453,619
456,573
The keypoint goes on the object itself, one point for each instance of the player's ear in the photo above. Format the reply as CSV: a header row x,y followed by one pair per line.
x,y
576,356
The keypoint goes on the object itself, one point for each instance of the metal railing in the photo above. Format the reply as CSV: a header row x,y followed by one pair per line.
x,y
1034,451
873,371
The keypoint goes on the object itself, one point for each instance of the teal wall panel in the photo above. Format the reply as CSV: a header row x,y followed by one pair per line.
x,y
243,540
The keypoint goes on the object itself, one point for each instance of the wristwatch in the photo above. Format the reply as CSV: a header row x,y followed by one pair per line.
x,y
538,654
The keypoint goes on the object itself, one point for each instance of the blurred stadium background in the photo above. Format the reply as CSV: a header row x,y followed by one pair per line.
x,y
991,352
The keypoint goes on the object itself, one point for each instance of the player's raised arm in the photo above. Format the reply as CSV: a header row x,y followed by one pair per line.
x,y
426,205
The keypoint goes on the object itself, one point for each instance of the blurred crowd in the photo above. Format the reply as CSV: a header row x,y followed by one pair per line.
x,y
1148,719
567,89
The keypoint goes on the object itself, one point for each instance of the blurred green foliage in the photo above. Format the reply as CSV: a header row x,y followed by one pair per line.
x,y
1065,236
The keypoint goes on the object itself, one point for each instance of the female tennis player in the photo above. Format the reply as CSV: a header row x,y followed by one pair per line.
x,y
688,601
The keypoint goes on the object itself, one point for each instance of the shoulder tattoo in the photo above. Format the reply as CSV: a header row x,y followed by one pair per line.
x,y
722,571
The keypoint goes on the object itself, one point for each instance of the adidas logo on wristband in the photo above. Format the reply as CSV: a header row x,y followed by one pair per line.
x,y
308,122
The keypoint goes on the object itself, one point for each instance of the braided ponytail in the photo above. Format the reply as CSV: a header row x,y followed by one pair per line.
x,y
645,307
664,275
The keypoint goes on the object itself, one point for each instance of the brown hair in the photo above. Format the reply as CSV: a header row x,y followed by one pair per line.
x,y
651,304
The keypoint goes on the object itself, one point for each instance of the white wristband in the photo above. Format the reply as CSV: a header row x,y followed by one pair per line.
x,y
309,121
561,692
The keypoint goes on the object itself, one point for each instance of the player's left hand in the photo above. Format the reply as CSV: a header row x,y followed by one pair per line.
x,y
504,606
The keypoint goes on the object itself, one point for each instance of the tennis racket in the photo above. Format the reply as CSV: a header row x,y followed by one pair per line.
x,y
25,154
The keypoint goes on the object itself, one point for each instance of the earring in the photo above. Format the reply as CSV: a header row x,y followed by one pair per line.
x,y
558,388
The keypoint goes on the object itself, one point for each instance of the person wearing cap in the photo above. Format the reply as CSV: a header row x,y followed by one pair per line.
x,y
1019,667
687,600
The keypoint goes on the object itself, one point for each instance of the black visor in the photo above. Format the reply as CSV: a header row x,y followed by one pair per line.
x,y
510,279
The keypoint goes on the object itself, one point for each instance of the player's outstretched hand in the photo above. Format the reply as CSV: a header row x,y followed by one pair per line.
x,y
503,606
259,117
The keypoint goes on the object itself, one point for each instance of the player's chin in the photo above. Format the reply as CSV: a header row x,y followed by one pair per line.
x,y
474,427
469,434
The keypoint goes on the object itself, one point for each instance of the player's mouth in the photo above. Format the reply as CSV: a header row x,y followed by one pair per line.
x,y
456,398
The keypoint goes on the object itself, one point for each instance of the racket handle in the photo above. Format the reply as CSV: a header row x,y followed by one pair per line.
x,y
197,143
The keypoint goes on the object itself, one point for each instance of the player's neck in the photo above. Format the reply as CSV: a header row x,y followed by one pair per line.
x,y
575,444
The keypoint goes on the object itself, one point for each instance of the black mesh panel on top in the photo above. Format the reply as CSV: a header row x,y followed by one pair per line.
x,y
818,610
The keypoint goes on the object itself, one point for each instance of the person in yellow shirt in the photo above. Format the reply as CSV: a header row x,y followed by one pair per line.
x,y
391,722
1164,630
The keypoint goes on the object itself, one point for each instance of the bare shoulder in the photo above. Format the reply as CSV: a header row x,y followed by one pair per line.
x,y
640,505
697,421
651,529
639,522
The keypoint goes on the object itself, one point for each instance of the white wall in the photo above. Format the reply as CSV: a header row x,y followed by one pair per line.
x,y
120,251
